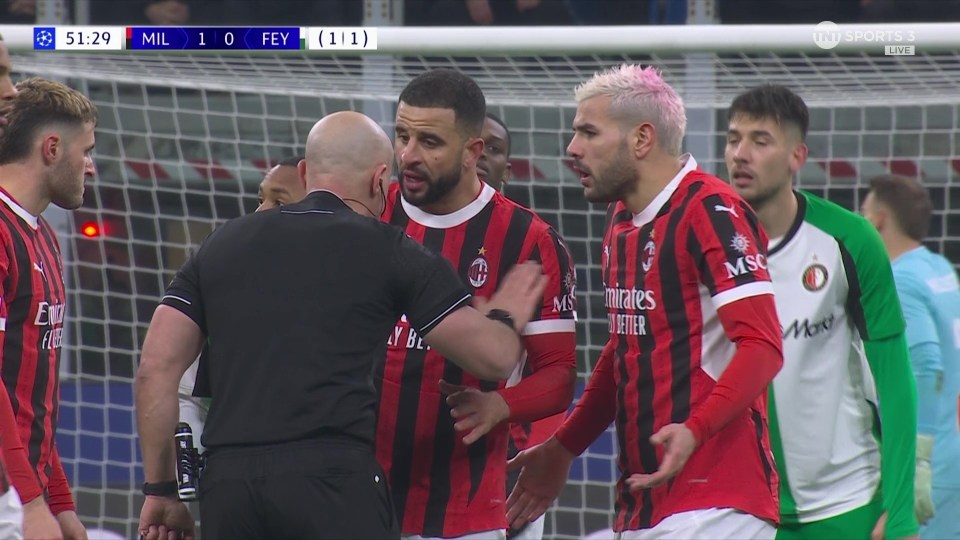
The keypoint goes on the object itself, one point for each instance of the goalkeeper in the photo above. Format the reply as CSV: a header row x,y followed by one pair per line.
x,y
900,210
280,185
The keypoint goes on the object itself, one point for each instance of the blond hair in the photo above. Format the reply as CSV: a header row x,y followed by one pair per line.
x,y
39,104
638,94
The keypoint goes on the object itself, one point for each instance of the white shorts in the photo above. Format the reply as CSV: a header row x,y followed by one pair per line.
x,y
712,523
11,516
496,534
533,530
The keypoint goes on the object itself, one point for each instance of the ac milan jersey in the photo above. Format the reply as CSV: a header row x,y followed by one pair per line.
x,y
441,487
666,272
32,306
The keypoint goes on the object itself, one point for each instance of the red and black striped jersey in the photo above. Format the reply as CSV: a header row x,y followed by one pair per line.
x,y
32,308
667,271
442,487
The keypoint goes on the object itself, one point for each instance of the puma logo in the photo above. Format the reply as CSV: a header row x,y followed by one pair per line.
x,y
722,208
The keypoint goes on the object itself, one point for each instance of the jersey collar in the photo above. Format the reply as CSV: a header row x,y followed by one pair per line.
x,y
20,211
797,222
452,219
652,209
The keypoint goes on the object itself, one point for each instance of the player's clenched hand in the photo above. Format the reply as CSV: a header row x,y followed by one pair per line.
x,y
165,518
475,412
678,443
543,472
520,292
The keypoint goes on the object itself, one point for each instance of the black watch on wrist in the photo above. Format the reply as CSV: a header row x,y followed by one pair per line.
x,y
504,317
160,489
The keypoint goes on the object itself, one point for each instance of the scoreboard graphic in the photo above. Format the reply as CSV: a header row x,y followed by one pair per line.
x,y
201,38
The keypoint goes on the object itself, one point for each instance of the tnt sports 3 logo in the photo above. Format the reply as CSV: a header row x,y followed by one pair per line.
x,y
814,277
44,38
828,35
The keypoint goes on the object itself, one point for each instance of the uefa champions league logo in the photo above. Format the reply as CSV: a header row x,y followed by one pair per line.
x,y
43,39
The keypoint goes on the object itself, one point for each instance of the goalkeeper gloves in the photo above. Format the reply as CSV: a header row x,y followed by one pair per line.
x,y
922,497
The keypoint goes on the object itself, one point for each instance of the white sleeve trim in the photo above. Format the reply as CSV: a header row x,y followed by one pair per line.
x,y
455,305
180,298
550,326
743,291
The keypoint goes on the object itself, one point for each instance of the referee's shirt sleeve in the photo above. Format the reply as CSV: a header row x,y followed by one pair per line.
x,y
183,293
427,287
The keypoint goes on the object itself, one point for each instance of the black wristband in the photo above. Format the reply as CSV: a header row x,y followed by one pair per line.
x,y
160,489
504,317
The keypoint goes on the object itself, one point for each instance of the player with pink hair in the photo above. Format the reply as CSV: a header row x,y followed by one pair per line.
x,y
694,334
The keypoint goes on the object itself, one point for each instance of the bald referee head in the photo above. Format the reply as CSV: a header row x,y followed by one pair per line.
x,y
349,154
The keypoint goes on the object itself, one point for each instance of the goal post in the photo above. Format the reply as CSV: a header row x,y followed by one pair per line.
x,y
184,139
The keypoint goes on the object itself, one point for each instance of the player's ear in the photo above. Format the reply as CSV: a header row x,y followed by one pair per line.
x,y
798,157
644,137
508,172
472,152
51,145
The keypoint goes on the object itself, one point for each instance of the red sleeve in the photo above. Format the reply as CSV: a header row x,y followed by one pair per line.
x,y
22,475
58,487
729,248
752,324
596,409
549,388
543,429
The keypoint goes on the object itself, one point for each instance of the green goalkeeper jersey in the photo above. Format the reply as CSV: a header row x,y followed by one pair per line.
x,y
846,372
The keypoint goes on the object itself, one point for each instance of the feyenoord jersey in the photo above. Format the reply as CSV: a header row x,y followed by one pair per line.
x,y
666,271
834,289
441,487
32,307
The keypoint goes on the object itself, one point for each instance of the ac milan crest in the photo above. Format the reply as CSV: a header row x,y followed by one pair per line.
x,y
478,272
814,277
649,251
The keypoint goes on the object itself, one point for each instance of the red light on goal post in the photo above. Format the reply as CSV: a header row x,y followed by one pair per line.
x,y
91,229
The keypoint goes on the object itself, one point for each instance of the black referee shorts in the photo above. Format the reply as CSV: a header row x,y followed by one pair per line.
x,y
321,488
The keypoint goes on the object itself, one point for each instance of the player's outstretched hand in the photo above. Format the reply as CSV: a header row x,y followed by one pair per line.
x,y
165,518
543,473
519,293
678,443
475,412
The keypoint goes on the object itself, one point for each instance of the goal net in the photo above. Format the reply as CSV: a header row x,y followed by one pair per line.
x,y
183,142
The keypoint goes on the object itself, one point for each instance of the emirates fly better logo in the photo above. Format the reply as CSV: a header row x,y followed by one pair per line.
x,y
828,35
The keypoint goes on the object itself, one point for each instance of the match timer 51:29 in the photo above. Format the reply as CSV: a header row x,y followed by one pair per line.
x,y
89,38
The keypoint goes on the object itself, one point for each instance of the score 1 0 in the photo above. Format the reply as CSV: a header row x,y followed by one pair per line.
x,y
213,38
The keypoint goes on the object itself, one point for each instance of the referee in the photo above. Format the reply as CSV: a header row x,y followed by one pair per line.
x,y
298,303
